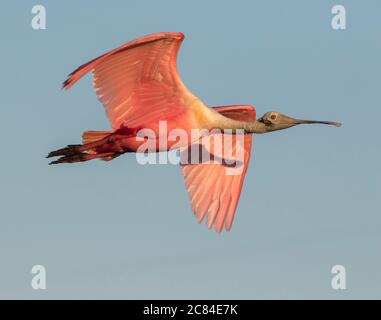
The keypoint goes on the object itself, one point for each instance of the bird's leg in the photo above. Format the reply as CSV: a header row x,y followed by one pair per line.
x,y
73,149
80,157
106,148
70,150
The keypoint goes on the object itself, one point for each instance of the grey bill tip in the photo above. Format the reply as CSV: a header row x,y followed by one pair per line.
x,y
332,123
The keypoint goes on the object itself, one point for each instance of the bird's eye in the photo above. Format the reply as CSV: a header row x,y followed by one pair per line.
x,y
273,117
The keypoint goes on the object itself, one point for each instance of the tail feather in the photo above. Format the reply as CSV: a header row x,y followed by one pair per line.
x,y
92,136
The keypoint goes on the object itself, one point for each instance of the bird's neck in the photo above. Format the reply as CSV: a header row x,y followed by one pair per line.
x,y
255,127
222,122
247,126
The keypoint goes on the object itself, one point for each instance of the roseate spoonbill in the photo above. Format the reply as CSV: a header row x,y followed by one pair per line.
x,y
139,85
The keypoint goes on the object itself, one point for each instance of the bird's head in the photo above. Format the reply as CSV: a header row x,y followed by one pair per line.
x,y
277,121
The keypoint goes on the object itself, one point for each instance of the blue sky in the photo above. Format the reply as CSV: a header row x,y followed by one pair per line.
x,y
311,199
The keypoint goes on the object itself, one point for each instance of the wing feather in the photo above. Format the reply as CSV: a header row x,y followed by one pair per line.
x,y
214,194
138,83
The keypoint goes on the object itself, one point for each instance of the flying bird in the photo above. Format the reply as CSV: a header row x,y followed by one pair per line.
x,y
139,85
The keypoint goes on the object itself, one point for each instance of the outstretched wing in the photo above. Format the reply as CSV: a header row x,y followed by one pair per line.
x,y
138,82
213,190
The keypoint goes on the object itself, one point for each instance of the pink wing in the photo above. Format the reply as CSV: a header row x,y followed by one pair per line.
x,y
138,82
212,191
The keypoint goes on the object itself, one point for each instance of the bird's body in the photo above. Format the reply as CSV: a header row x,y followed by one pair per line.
x,y
139,86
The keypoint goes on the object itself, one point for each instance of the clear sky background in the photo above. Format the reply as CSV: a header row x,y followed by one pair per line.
x,y
311,197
